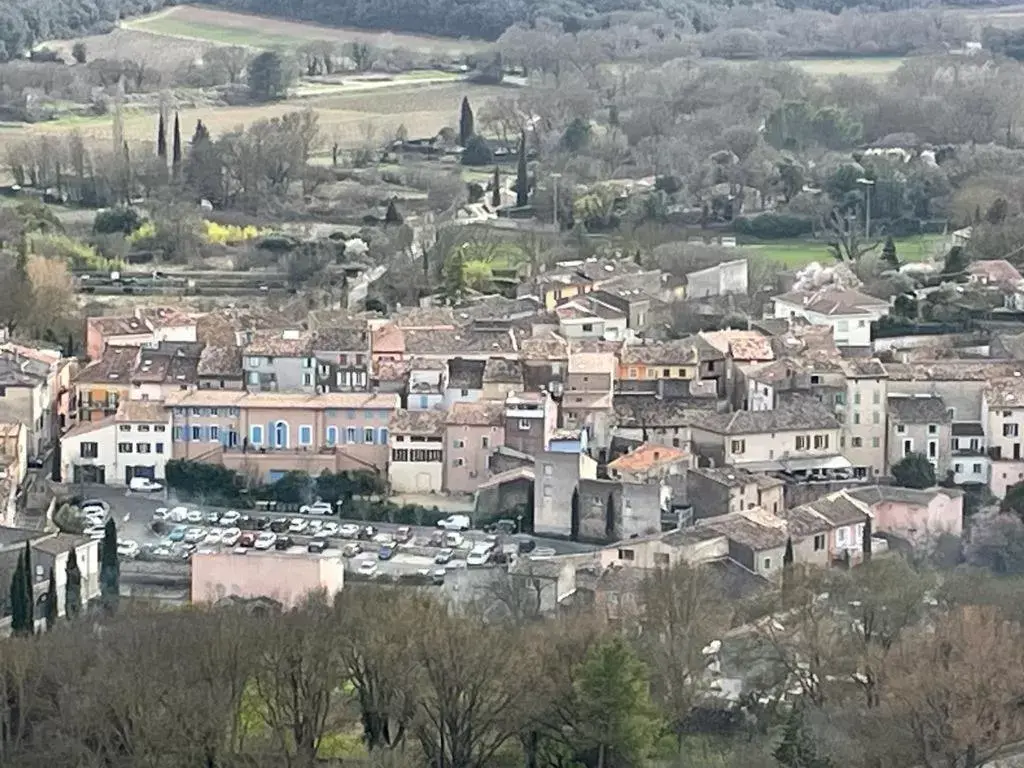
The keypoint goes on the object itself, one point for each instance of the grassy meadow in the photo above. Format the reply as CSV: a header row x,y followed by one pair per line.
x,y
798,253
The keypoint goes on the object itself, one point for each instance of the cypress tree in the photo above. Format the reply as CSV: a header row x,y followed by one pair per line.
x,y
889,253
522,192
787,557
29,579
866,546
161,138
51,602
176,149
392,216
17,597
496,190
110,568
465,122
72,586
55,463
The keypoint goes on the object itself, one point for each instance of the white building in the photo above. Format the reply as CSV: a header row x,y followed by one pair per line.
x,y
416,463
135,442
849,313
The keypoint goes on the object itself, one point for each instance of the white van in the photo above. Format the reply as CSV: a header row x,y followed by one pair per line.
x,y
144,485
455,523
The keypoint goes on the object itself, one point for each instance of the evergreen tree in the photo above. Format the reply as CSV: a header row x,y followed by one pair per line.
x,y
454,273
797,749
51,602
72,586
496,190
201,133
787,556
866,544
176,148
522,189
110,568
56,460
16,594
30,602
889,253
392,216
466,121
913,471
161,138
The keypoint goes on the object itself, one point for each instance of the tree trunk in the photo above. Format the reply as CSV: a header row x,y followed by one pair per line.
x,y
600,756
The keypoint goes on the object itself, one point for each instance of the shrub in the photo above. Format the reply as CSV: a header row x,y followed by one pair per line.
x,y
229,234
477,152
118,219
76,254
769,226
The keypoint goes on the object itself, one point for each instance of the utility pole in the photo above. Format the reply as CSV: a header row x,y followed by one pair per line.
x,y
555,177
867,184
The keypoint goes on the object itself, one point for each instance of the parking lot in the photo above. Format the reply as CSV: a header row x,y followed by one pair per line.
x,y
134,515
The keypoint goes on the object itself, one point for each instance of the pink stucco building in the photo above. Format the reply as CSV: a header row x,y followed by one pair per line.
x,y
282,576
914,515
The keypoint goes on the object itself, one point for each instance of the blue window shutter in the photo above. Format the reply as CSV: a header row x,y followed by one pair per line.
x,y
271,437
383,436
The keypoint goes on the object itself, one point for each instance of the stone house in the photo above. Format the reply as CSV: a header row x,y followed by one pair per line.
x,y
471,432
920,425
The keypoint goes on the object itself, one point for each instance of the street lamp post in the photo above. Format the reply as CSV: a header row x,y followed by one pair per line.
x,y
555,177
867,184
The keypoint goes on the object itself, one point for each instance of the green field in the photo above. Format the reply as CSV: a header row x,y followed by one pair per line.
x,y
165,25
799,253
874,68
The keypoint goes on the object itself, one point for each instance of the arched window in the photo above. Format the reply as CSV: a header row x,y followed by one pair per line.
x,y
281,434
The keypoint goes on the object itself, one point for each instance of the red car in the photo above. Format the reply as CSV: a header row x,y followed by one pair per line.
x,y
247,539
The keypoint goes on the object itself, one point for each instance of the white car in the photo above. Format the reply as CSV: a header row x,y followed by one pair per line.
x,y
128,549
455,523
161,513
195,516
480,554
95,532
317,508
100,503
213,536
297,525
330,529
265,540
348,531
315,526
92,509
178,514
231,537
230,518
368,567
144,485
95,519
384,538
194,535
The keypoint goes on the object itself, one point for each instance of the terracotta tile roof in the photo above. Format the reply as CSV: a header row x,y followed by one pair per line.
x,y
833,302
677,352
1005,393
44,355
140,410
740,345
279,343
85,427
9,429
840,509
425,364
479,414
115,366
647,457
421,423
634,412
466,374
120,325
334,400
342,339
220,361
499,370
863,368
164,317
751,528
549,346
735,477
388,340
391,370
592,362
424,318
222,326
995,272
796,413
955,370
453,341
804,521
918,410
876,494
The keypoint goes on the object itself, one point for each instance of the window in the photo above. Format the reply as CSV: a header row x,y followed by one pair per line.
x,y
842,535
548,469
458,443
485,442
350,434
143,428
933,449
876,417
815,379
856,442
547,491
400,454
843,326
143,448
368,435
463,393
626,554
89,450
738,446
856,417
666,372
179,434
632,373
255,362
1010,430
125,428
459,462
876,397
900,429
661,558
767,563
159,447
840,398
821,442
588,327
856,398
383,436
197,411
124,447
307,379
958,467
305,434
977,469
933,429
802,444
1007,414
908,447
332,435
819,542
215,434
308,362
197,433
524,425
875,443
256,434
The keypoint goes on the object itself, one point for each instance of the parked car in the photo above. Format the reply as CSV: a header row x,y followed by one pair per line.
x,y
314,527
178,514
247,540
384,538
455,523
177,533
261,523
352,549
213,536
160,513
349,531
85,504
283,543
444,557
480,554
144,485
245,523
386,551
403,535
266,540
231,537
330,528
95,519
368,567
230,519
318,544
437,576
212,518
128,549
297,525
525,545
195,516
436,539
194,535
454,540
367,532
317,508
280,525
